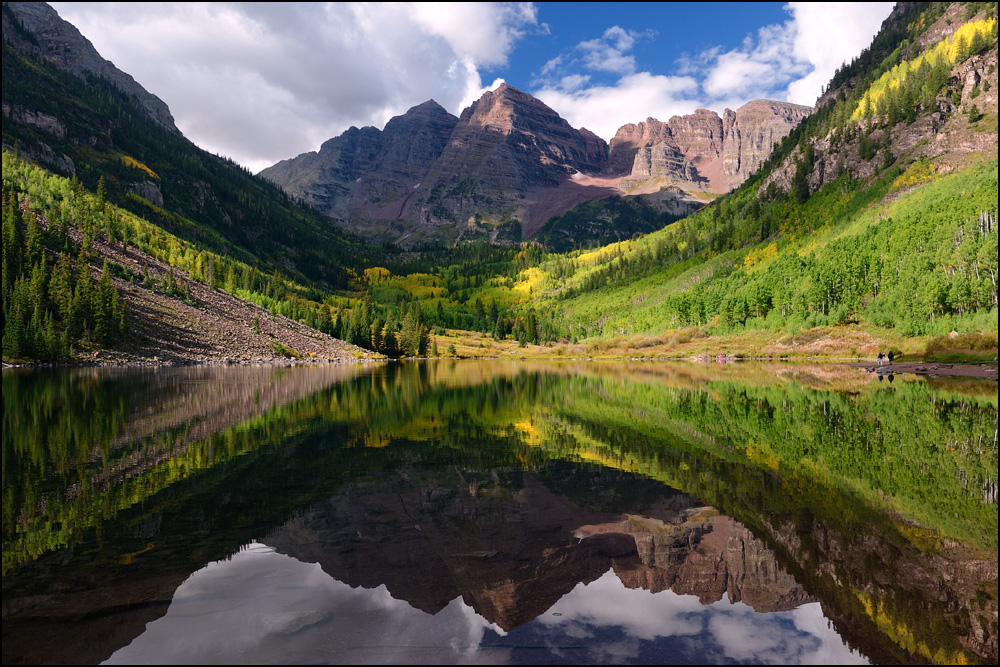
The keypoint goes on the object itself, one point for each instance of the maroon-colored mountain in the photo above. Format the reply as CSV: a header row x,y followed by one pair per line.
x,y
510,163
368,172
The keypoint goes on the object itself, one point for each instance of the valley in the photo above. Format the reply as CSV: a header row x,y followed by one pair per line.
x,y
474,384
741,235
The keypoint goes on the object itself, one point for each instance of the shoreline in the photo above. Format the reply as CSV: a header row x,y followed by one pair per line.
x,y
920,369
929,369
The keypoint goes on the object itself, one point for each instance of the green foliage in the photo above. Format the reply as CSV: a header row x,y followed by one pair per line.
x,y
928,73
283,350
923,263
66,205
603,221
51,303
968,348
207,200
851,475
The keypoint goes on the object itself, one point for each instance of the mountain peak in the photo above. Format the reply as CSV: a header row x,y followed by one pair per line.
x,y
507,107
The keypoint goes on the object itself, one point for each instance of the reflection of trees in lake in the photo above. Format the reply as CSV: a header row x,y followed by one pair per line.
x,y
857,492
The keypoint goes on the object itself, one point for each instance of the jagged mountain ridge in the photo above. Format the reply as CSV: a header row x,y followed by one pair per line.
x,y
511,159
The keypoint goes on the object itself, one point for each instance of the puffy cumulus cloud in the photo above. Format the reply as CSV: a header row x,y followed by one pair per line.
x,y
792,61
789,61
277,609
586,101
762,65
607,53
485,33
261,82
716,632
603,109
829,34
736,73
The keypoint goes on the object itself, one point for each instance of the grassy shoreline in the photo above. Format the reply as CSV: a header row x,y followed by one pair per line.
x,y
828,343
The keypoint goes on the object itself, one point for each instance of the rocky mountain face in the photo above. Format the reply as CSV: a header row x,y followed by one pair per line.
x,y
429,174
512,556
71,111
750,132
702,150
943,130
510,164
368,169
35,28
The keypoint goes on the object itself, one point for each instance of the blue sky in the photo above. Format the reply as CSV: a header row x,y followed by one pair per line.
x,y
261,82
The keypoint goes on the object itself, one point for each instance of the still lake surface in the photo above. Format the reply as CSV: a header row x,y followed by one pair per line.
x,y
498,512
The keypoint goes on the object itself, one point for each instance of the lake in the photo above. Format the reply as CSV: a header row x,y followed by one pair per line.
x,y
462,511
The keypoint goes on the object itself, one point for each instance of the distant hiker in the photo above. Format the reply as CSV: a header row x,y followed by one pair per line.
x,y
890,356
880,357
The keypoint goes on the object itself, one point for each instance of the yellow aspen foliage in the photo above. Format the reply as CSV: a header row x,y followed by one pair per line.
x,y
949,50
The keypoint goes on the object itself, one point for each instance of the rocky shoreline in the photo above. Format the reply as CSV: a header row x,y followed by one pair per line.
x,y
929,369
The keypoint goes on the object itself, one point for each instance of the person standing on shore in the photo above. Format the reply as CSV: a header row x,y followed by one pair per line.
x,y
890,356
880,358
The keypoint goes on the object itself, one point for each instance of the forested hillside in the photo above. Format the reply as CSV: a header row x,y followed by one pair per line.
x,y
88,128
887,218
82,276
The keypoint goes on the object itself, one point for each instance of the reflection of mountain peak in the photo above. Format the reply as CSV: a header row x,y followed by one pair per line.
x,y
512,551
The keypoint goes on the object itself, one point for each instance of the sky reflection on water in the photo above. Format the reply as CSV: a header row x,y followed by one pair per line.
x,y
264,607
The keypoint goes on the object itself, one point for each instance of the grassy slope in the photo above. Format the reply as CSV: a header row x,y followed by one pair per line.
x,y
939,207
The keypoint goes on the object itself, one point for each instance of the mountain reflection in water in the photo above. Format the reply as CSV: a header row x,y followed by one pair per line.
x,y
279,610
457,512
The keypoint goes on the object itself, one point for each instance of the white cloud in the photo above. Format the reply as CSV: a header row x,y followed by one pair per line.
x,y
603,109
261,82
735,73
790,61
269,608
761,66
829,34
794,60
485,33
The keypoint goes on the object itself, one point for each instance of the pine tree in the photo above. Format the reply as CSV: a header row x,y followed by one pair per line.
x,y
105,317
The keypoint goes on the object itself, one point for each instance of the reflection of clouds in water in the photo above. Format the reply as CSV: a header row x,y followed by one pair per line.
x,y
263,607
643,615
728,631
809,618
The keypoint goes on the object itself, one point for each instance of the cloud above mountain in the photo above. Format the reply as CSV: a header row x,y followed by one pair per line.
x,y
789,61
278,79
261,82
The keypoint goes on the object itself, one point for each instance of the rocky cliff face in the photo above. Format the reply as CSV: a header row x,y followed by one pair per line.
x,y
633,137
505,148
942,132
35,28
512,556
752,131
698,135
432,175
702,149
